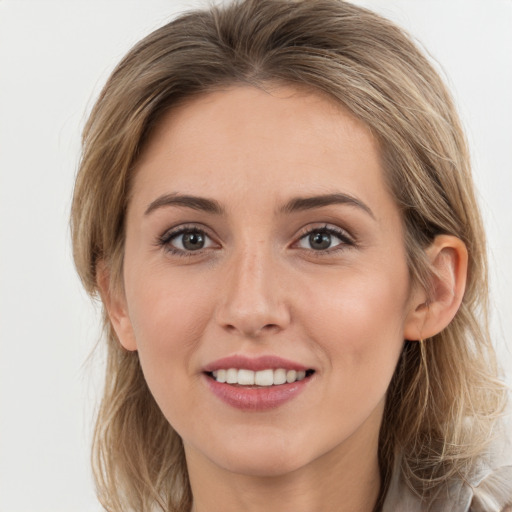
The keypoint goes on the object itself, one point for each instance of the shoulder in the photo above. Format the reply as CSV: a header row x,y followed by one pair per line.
x,y
491,484
489,490
493,491
488,487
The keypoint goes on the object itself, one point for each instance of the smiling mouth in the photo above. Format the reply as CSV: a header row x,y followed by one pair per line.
x,y
259,379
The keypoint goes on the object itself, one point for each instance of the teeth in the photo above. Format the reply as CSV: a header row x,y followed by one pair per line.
x,y
268,377
291,376
232,376
279,376
246,377
264,378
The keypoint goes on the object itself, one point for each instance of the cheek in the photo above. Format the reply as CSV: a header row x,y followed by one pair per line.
x,y
168,312
168,318
360,328
359,332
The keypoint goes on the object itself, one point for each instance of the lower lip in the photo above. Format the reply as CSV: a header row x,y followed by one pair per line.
x,y
256,399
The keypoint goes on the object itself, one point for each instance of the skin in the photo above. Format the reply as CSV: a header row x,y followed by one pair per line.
x,y
259,287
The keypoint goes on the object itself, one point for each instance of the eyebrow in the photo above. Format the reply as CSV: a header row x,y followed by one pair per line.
x,y
194,202
309,203
294,205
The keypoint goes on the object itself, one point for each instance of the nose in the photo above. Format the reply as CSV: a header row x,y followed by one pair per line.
x,y
252,301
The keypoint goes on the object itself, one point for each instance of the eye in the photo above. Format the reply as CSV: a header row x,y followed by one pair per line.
x,y
323,239
186,240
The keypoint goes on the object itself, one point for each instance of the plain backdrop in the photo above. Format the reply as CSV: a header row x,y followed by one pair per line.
x,y
54,58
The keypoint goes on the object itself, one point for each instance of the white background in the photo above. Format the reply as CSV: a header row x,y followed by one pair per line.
x,y
54,58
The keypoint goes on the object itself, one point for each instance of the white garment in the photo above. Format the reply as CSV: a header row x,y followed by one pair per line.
x,y
489,490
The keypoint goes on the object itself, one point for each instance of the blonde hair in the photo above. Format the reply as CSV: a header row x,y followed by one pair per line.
x,y
445,396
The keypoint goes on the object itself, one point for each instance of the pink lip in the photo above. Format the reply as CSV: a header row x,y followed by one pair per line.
x,y
254,364
255,398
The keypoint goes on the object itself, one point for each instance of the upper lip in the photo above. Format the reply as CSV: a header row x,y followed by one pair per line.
x,y
254,363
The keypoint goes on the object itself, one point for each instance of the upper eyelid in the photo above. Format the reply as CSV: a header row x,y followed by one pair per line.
x,y
327,227
180,228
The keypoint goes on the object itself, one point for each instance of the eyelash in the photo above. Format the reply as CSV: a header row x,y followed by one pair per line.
x,y
346,240
164,241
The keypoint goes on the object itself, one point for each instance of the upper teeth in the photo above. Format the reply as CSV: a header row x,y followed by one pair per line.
x,y
262,378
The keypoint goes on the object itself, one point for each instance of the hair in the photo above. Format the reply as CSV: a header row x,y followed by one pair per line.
x,y
445,396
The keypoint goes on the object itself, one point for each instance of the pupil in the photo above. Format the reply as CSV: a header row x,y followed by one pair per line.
x,y
320,240
193,241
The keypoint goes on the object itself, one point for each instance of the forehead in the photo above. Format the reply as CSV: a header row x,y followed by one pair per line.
x,y
251,111
247,141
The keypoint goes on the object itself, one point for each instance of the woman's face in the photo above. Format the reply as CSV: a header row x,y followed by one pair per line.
x,y
261,236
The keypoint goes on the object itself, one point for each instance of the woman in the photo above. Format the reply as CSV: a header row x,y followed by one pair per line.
x,y
276,208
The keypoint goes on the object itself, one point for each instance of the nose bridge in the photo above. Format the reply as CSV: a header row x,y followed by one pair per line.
x,y
252,299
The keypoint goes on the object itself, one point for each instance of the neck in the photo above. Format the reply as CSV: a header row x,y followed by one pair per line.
x,y
346,479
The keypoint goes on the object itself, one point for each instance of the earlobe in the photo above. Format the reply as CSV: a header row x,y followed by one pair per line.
x,y
429,315
114,301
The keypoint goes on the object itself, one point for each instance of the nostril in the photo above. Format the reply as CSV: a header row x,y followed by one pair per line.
x,y
253,330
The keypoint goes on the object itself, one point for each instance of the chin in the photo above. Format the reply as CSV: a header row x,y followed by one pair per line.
x,y
265,456
264,465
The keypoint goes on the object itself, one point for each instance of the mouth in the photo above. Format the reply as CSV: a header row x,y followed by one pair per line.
x,y
257,383
266,378
268,383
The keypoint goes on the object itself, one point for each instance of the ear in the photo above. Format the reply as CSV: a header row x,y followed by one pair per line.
x,y
114,300
428,316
